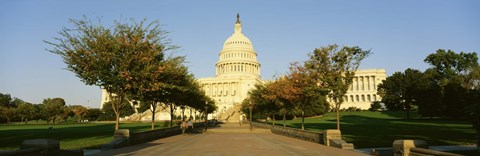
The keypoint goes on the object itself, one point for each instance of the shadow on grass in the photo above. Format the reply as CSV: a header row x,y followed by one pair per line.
x,y
12,138
366,131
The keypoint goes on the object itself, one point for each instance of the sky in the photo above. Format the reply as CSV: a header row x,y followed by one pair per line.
x,y
400,34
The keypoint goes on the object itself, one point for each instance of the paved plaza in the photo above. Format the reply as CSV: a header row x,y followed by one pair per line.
x,y
230,140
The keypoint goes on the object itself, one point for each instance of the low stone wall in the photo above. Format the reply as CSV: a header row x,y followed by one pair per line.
x,y
262,125
292,132
123,137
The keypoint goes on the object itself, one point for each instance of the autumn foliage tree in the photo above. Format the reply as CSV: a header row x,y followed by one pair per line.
x,y
333,68
116,58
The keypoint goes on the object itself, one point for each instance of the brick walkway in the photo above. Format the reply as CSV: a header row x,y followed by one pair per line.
x,y
218,142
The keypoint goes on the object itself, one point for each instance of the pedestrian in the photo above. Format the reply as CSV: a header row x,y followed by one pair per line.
x,y
189,126
183,126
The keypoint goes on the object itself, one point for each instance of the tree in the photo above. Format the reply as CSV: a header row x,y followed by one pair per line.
x,y
333,68
473,110
54,107
449,64
282,91
109,114
173,85
5,100
92,114
115,58
453,74
402,90
40,112
305,93
25,111
79,111
375,106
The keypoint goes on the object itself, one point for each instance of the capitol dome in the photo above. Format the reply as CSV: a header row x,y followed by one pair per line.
x,y
238,58
238,40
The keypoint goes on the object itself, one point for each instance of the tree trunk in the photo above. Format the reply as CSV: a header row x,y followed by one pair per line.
x,y
273,119
116,108
266,119
284,121
183,113
191,113
303,119
171,115
117,120
338,117
408,114
154,107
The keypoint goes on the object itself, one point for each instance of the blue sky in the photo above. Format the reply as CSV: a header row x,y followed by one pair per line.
x,y
399,33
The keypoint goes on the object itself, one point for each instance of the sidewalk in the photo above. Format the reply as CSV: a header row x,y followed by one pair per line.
x,y
237,141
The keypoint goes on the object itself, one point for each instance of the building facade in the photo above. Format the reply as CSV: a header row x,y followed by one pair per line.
x,y
238,70
363,90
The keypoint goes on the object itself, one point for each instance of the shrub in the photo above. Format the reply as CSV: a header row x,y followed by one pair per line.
x,y
375,106
353,109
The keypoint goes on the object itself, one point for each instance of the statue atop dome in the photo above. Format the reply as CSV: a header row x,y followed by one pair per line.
x,y
238,18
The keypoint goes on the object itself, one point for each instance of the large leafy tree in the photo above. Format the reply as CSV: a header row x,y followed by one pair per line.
x,y
473,110
283,93
5,100
116,58
25,111
333,67
401,90
92,114
53,107
304,92
79,111
453,74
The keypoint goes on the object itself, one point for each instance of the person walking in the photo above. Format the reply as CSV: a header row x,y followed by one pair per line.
x,y
189,126
183,126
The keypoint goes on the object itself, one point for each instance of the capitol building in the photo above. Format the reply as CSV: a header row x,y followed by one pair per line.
x,y
238,70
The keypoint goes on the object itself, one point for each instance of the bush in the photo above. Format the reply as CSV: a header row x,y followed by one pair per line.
x,y
375,106
353,109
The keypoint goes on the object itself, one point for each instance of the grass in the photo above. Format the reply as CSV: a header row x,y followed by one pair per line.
x,y
71,136
380,129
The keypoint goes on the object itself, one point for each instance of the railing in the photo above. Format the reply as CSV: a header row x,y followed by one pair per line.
x,y
422,152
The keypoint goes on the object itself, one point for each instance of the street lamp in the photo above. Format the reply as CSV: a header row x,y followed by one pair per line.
x,y
250,107
206,115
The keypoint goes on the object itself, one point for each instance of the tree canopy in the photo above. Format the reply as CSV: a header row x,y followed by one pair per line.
x,y
333,68
118,59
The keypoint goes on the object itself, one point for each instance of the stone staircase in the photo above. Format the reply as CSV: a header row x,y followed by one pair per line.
x,y
235,127
231,115
146,115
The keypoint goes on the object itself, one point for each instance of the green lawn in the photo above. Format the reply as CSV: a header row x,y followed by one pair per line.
x,y
71,136
380,129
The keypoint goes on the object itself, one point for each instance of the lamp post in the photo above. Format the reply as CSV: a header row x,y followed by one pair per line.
x,y
206,115
250,107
